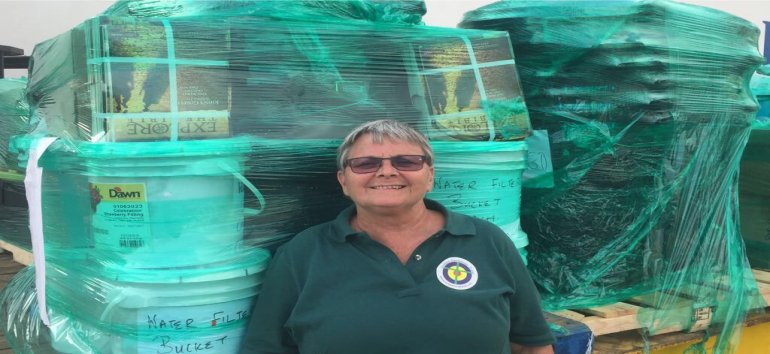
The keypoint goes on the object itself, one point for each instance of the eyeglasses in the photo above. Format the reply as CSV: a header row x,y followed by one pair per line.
x,y
371,164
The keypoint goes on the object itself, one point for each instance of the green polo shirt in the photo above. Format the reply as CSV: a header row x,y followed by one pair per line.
x,y
333,290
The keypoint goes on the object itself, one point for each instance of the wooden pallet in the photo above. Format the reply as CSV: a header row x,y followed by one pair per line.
x,y
20,255
754,329
682,313
625,316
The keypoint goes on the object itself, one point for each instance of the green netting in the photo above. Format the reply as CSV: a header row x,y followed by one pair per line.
x,y
648,109
194,135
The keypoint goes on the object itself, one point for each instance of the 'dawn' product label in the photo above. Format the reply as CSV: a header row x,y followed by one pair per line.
x,y
121,219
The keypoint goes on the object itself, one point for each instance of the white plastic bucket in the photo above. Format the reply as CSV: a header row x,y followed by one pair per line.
x,y
483,179
171,208
176,310
203,315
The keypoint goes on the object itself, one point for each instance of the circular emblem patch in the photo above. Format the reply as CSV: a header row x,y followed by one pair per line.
x,y
457,273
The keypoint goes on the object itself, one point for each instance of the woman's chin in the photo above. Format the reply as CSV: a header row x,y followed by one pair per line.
x,y
389,203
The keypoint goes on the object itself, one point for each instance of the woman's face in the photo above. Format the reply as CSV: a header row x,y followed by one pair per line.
x,y
386,189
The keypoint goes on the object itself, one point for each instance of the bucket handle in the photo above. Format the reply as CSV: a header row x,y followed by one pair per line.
x,y
116,299
248,185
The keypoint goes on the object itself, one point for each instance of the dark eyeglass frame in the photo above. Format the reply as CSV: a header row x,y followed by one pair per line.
x,y
395,161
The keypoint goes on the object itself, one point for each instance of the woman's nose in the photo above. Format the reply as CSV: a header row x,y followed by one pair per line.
x,y
386,169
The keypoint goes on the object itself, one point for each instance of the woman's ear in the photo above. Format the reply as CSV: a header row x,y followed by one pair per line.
x,y
341,180
432,175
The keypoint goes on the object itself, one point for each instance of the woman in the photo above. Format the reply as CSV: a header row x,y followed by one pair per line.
x,y
396,273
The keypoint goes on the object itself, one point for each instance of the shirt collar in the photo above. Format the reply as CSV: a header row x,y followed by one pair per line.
x,y
455,224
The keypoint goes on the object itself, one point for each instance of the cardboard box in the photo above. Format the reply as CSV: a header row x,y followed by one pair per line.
x,y
471,89
101,79
275,79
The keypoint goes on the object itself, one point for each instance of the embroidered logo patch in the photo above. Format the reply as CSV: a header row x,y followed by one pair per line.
x,y
457,273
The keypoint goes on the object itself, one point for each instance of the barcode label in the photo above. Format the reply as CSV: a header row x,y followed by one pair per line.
x,y
126,242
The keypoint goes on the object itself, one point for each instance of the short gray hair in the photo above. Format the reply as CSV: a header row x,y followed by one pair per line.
x,y
379,130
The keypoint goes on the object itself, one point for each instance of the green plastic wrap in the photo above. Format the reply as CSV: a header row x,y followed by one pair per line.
x,y
382,11
760,87
755,198
484,181
648,109
14,120
755,179
144,246
14,216
295,89
150,311
128,79
195,137
98,311
24,331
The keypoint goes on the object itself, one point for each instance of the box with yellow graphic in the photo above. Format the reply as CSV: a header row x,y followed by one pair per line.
x,y
112,73
471,89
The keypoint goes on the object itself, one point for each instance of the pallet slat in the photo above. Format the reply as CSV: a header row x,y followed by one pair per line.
x,y
761,276
20,255
612,310
569,314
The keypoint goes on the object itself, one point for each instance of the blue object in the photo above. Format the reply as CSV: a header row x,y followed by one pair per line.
x,y
572,337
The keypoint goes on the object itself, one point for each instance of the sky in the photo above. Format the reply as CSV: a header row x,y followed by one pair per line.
x,y
24,23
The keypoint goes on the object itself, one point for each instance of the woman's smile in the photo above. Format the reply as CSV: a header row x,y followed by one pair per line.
x,y
397,186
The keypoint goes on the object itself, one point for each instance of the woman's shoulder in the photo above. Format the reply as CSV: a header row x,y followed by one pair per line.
x,y
462,222
473,223
483,230
308,240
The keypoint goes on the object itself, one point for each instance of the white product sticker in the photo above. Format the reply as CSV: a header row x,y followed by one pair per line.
x,y
121,220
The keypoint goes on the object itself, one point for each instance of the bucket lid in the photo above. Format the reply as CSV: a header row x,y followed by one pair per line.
x,y
477,146
293,144
64,155
207,147
252,261
480,155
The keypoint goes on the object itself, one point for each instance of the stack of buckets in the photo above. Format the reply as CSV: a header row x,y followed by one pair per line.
x,y
165,265
483,179
477,119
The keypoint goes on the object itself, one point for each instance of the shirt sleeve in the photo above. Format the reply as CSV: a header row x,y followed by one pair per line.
x,y
528,324
267,333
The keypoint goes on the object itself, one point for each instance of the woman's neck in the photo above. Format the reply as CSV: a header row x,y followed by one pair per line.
x,y
396,221
401,232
